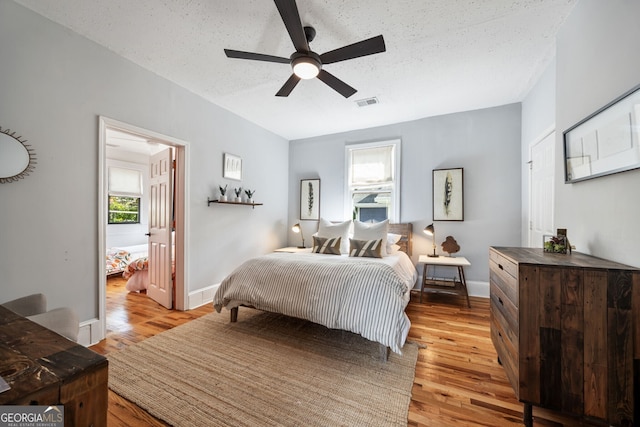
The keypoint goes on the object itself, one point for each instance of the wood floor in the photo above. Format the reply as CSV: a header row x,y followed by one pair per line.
x,y
458,381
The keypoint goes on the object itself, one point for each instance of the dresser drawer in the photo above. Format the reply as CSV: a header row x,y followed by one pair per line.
x,y
507,309
506,282
507,354
503,263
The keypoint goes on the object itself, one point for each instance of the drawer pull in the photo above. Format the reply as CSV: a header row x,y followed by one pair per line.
x,y
500,301
500,267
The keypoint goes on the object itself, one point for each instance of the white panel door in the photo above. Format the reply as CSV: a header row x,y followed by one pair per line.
x,y
160,225
541,194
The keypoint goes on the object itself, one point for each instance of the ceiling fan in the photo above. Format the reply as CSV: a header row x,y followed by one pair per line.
x,y
307,64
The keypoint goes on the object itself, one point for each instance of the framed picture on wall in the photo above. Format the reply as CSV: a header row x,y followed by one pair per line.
x,y
606,142
310,199
231,167
448,195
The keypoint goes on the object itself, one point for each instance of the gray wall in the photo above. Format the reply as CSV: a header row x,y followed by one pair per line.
x,y
597,60
486,143
53,86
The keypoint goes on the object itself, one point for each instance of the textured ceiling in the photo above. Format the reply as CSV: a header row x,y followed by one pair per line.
x,y
442,56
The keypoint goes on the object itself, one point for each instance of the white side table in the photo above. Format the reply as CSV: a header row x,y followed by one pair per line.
x,y
448,286
293,249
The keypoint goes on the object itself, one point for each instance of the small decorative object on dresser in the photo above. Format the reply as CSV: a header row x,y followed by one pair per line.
x,y
567,333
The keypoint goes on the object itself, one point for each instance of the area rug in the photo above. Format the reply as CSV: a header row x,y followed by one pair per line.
x,y
264,370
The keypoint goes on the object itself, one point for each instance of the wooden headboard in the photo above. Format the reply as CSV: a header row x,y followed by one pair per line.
x,y
406,230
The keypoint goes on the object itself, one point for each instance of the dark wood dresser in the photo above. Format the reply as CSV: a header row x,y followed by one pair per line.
x,y
44,368
567,332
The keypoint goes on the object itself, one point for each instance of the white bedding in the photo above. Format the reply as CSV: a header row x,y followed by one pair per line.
x,y
366,296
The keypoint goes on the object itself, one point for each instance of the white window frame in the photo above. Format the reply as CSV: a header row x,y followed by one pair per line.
x,y
394,211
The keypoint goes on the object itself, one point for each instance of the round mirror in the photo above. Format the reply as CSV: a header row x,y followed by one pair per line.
x,y
16,158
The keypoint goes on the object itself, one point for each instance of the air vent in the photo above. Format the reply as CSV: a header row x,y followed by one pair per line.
x,y
367,101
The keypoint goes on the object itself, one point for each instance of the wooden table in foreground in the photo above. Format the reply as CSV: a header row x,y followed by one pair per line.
x,y
44,368
449,286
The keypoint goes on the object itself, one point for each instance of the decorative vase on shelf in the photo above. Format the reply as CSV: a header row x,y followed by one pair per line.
x,y
222,198
238,199
250,200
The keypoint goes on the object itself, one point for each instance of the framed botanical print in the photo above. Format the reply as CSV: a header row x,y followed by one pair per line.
x,y
448,200
310,199
232,167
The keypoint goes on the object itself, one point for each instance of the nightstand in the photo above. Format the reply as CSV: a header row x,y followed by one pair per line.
x,y
293,249
447,286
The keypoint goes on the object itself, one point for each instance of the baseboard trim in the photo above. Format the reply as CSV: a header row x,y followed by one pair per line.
x,y
478,289
90,332
202,296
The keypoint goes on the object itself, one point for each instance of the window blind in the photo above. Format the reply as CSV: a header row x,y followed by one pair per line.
x,y
372,165
125,182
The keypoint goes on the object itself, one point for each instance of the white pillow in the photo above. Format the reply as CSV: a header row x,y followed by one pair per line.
x,y
372,231
392,239
392,249
329,230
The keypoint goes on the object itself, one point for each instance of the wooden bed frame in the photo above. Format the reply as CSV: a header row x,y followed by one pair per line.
x,y
406,246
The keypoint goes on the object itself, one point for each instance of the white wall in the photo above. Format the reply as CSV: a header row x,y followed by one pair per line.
x,y
597,60
54,85
538,119
486,143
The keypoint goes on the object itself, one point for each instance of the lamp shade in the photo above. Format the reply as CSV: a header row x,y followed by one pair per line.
x,y
296,228
429,230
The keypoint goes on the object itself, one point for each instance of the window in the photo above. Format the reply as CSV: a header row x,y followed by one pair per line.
x,y
373,184
125,191
124,210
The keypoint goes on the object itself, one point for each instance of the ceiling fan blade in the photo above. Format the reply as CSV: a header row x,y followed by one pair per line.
x,y
288,86
336,84
255,56
291,18
356,50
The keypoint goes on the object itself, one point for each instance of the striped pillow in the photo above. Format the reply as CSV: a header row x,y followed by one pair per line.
x,y
366,248
326,245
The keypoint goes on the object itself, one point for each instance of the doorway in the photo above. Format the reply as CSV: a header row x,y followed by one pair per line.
x,y
181,150
541,188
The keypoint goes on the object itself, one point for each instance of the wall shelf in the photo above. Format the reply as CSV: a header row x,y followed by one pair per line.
x,y
253,205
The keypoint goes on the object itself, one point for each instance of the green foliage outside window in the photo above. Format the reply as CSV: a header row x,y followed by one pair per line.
x,y
124,210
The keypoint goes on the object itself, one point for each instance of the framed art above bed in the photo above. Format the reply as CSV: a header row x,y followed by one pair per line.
x,y
310,199
448,195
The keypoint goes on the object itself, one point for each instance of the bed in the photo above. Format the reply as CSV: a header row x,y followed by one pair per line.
x,y
117,258
361,294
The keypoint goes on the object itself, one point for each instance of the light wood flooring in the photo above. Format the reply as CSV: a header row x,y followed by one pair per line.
x,y
458,381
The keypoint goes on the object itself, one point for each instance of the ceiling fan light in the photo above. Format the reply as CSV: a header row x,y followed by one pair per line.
x,y
306,68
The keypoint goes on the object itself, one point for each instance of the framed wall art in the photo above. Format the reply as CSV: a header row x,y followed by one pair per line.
x,y
448,195
310,199
231,167
605,142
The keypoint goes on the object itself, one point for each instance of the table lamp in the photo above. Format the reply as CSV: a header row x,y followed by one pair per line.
x,y
297,229
429,230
